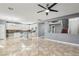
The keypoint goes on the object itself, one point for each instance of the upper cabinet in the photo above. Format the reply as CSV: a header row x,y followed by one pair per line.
x,y
12,26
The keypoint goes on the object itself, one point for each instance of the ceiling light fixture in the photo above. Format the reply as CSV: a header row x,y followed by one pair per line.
x,y
46,10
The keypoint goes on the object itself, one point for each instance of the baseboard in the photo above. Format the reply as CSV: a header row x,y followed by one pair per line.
x,y
62,42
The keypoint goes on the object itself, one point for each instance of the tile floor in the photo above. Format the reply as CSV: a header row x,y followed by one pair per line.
x,y
36,47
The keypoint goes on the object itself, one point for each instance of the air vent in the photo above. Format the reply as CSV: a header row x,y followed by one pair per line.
x,y
10,8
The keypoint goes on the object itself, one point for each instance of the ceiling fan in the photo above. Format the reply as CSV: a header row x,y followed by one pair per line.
x,y
47,9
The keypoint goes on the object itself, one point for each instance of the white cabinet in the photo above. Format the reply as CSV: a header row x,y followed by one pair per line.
x,y
12,26
2,32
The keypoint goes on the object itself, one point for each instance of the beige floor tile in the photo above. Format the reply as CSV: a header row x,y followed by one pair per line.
x,y
37,47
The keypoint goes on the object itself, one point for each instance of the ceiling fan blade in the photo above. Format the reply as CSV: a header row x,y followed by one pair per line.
x,y
41,6
53,10
46,13
52,5
40,11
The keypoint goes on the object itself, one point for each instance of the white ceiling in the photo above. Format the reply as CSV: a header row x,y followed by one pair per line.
x,y
27,12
